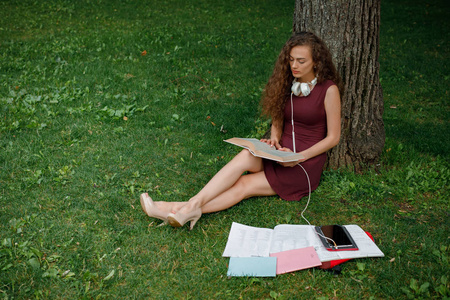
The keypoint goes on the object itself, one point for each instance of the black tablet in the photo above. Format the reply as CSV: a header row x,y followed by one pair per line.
x,y
338,238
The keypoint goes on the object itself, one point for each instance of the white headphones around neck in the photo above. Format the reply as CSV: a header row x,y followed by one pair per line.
x,y
302,87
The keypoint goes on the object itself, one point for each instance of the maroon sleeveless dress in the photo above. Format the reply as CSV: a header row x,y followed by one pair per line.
x,y
310,124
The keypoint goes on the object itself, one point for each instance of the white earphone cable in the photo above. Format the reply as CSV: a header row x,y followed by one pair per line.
x,y
309,194
306,173
292,122
295,150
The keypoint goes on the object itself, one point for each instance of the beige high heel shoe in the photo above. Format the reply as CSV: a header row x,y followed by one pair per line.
x,y
149,207
179,219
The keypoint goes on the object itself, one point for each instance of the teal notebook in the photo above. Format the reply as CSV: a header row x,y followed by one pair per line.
x,y
252,266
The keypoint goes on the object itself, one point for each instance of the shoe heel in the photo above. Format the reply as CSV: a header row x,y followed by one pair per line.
x,y
179,219
191,226
171,218
164,223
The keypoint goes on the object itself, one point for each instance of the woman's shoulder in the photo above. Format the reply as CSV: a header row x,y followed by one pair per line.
x,y
327,83
326,87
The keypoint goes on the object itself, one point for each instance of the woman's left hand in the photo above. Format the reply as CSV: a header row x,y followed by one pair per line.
x,y
291,163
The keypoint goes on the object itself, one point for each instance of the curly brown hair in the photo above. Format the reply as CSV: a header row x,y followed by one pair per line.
x,y
278,88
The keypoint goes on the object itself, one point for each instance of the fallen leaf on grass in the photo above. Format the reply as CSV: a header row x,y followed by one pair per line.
x,y
110,275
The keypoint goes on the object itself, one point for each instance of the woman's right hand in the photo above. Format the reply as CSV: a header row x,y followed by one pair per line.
x,y
275,136
272,143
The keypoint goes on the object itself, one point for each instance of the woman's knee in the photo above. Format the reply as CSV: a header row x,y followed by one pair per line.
x,y
249,161
245,154
253,185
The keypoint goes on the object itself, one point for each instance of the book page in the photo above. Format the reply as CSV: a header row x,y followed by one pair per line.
x,y
365,244
289,237
247,241
264,147
261,149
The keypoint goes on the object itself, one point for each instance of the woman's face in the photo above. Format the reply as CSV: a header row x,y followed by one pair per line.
x,y
302,64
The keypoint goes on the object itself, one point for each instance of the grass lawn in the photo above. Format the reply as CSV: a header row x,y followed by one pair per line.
x,y
103,100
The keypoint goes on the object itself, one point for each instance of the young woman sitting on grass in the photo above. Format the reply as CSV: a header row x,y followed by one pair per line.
x,y
302,93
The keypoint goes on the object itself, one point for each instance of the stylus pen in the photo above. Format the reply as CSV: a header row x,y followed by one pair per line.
x,y
342,246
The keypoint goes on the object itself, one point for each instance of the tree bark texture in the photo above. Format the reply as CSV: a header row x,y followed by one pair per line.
x,y
350,28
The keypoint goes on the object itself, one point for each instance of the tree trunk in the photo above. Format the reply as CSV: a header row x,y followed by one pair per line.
x,y
350,28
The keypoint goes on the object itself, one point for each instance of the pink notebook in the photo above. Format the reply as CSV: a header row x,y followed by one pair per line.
x,y
297,259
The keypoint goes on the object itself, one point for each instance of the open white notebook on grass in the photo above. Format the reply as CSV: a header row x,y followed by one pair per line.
x,y
248,241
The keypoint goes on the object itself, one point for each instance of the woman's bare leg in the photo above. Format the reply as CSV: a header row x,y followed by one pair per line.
x,y
254,184
228,187
226,180
247,186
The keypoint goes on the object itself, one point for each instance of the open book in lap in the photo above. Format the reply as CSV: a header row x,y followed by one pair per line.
x,y
263,150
